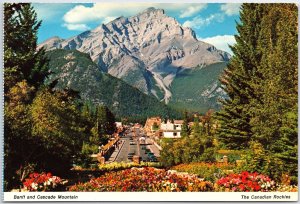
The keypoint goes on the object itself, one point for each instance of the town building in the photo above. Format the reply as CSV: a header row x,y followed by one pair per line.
x,y
171,129
152,125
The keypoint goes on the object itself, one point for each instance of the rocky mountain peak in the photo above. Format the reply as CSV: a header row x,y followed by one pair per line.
x,y
152,10
146,50
51,43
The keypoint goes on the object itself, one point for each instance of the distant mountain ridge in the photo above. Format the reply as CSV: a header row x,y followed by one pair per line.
x,y
148,50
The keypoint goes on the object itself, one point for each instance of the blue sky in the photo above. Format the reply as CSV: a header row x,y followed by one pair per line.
x,y
213,23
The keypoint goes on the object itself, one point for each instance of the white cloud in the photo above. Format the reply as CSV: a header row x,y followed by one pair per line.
x,y
231,9
221,42
198,22
81,14
79,27
192,10
51,11
99,11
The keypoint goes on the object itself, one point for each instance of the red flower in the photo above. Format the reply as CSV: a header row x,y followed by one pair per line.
x,y
245,174
39,181
257,188
242,187
244,179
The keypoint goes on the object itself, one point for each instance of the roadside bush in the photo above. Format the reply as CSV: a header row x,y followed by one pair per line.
x,y
259,160
208,171
115,166
84,159
208,155
187,150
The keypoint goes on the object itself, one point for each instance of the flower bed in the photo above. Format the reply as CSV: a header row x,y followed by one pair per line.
x,y
208,171
41,182
144,179
245,182
286,188
125,165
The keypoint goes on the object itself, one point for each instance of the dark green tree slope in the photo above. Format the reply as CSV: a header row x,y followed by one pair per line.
x,y
76,70
197,89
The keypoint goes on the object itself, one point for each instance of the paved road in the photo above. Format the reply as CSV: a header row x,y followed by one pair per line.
x,y
127,148
122,156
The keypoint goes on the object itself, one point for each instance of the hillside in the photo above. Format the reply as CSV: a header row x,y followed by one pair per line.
x,y
76,70
198,89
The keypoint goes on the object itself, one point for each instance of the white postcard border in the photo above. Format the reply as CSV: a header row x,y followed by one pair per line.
x,y
150,196
133,196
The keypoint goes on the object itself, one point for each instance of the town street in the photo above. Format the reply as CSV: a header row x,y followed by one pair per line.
x,y
130,146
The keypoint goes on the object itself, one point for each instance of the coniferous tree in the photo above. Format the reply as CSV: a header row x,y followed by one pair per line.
x,y
197,130
207,121
21,59
262,85
106,120
24,70
275,121
279,70
185,130
234,118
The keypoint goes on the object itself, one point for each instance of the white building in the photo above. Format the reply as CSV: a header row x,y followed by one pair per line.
x,y
118,124
172,130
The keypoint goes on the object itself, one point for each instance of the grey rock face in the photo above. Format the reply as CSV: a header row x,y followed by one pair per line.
x,y
146,50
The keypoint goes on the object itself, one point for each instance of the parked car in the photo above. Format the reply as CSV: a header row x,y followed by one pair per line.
x,y
152,159
150,154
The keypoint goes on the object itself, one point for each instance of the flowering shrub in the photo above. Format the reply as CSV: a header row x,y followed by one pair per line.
x,y
144,179
286,188
41,182
124,165
208,171
245,182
